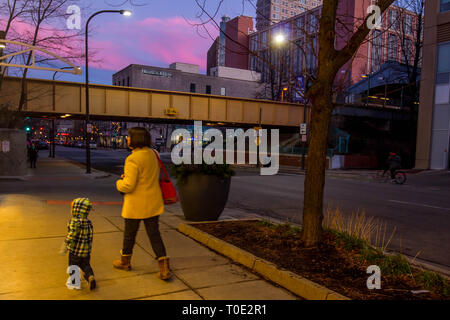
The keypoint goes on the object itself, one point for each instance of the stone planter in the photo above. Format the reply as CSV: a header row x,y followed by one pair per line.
x,y
203,197
13,152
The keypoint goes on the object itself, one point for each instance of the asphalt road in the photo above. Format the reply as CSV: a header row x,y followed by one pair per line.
x,y
419,210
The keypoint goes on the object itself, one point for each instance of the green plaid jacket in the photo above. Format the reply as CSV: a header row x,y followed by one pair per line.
x,y
80,229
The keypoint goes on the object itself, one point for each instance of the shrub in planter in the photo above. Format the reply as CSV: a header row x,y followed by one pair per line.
x,y
203,189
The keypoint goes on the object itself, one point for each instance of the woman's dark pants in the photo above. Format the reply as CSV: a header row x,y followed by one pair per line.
x,y
152,228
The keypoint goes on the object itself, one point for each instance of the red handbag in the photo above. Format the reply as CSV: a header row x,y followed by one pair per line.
x,y
169,193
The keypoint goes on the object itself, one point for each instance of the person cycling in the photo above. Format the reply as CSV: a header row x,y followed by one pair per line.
x,y
392,164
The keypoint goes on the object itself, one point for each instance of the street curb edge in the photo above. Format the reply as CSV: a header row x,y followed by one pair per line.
x,y
286,279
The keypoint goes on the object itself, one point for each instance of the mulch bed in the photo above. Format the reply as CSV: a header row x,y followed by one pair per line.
x,y
329,265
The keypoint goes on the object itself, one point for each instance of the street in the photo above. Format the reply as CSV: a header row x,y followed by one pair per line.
x,y
419,209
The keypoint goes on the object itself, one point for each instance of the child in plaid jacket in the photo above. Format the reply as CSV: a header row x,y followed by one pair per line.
x,y
79,238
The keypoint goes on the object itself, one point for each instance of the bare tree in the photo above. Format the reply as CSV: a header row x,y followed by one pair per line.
x,y
321,93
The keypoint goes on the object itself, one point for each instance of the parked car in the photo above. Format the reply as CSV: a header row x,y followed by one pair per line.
x,y
41,145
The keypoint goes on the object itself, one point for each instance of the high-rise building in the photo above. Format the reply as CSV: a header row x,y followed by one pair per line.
x,y
230,49
392,41
269,12
433,128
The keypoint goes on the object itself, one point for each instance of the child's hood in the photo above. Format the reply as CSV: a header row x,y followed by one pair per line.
x,y
81,207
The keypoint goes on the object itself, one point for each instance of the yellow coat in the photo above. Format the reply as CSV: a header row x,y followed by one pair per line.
x,y
140,184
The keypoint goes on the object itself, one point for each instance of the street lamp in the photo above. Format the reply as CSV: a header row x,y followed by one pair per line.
x,y
280,38
51,151
86,126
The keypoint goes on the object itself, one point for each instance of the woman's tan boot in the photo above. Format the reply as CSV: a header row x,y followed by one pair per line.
x,y
164,268
124,263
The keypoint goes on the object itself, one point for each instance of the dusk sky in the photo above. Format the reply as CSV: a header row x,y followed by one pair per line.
x,y
156,34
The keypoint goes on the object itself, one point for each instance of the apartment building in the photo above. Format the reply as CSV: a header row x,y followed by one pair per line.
x,y
296,56
433,129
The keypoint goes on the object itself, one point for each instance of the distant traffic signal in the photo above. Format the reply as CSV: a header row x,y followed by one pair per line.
x,y
27,129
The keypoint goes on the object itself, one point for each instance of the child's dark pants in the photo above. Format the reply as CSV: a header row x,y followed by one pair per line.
x,y
83,263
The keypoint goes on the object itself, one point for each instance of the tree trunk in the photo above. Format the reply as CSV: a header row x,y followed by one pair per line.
x,y
315,177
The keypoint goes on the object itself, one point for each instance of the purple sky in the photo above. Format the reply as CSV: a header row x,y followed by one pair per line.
x,y
156,34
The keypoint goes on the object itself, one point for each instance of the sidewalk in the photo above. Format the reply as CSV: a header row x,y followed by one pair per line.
x,y
33,221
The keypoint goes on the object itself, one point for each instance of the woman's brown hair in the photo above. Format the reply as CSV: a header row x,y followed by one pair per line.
x,y
139,137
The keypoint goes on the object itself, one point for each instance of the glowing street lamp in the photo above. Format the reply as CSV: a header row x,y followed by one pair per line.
x,y
280,38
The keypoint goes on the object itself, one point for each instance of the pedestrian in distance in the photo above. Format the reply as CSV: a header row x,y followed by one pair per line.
x,y
393,163
79,239
33,153
143,200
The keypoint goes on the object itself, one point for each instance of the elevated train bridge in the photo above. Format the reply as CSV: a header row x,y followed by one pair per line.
x,y
56,99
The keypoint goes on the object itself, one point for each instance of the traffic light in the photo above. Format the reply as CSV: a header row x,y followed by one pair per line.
x,y
27,129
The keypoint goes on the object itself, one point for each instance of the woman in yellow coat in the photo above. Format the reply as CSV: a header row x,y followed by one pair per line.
x,y
142,200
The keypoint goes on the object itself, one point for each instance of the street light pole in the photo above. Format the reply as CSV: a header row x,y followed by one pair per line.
x,y
87,136
52,140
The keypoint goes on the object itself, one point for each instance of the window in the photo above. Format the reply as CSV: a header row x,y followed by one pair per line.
x,y
128,81
392,47
264,39
393,19
300,26
311,55
407,24
407,51
208,89
222,91
445,5
298,57
192,89
443,60
277,1
312,23
276,9
442,93
275,16
376,50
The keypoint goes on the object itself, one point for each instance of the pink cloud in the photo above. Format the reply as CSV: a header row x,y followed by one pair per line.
x,y
116,44
152,41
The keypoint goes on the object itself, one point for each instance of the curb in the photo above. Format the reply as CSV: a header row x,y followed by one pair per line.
x,y
288,280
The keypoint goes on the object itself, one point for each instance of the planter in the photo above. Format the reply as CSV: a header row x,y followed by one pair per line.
x,y
203,197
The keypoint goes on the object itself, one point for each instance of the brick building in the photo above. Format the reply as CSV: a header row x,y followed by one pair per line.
x,y
186,78
296,57
230,50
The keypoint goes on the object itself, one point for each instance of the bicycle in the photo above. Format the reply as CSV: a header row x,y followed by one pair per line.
x,y
384,176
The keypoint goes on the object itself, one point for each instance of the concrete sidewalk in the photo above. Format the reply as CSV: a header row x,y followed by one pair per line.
x,y
33,221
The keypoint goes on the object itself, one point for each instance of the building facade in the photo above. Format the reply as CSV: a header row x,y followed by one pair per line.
x,y
433,142
181,77
269,12
230,49
283,64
